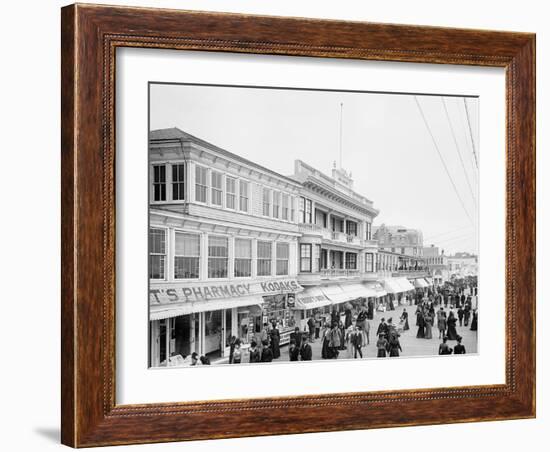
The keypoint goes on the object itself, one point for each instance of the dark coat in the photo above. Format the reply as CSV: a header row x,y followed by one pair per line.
x,y
306,353
293,353
275,339
267,355
255,356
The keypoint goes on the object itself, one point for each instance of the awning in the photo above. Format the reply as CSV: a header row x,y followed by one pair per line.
x,y
376,288
161,311
420,283
405,284
392,286
430,281
311,298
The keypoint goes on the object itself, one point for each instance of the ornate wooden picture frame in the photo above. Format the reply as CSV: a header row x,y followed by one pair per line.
x,y
90,37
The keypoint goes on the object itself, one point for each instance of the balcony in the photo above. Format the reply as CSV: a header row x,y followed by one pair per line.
x,y
411,273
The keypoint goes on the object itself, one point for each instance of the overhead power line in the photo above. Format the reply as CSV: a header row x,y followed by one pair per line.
x,y
442,159
458,150
431,237
470,129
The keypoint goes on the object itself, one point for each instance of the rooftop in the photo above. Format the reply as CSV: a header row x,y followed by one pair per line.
x,y
174,134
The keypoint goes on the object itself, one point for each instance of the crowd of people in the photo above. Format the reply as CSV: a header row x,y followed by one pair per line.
x,y
347,334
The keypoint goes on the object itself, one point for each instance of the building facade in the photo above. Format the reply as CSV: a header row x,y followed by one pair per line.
x,y
337,254
235,247
438,264
462,265
223,243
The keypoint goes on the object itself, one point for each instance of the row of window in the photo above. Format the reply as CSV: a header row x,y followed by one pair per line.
x,y
235,195
346,261
209,186
187,256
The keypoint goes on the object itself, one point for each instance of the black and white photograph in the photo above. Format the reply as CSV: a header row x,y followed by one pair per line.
x,y
291,224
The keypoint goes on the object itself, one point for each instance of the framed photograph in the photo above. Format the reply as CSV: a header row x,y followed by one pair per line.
x,y
326,225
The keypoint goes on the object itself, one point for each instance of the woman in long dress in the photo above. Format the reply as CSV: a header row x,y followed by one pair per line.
x,y
428,322
421,324
325,350
275,339
405,320
451,327
473,326
394,345
441,322
348,316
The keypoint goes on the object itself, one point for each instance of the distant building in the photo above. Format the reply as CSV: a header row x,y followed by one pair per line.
x,y
437,264
399,239
463,264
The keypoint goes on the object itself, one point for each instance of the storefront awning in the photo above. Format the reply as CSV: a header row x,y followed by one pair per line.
x,y
376,288
392,286
160,312
311,298
420,283
430,281
405,284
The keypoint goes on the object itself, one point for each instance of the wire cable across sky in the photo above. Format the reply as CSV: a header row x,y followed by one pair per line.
x,y
442,159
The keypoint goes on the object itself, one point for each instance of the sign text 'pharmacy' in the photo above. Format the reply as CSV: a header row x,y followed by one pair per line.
x,y
220,291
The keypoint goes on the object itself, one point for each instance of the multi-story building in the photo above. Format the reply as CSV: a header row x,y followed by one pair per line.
x,y
463,264
401,255
337,253
437,264
399,239
223,247
234,246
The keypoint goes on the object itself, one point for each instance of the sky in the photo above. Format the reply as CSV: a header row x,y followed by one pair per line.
x,y
414,180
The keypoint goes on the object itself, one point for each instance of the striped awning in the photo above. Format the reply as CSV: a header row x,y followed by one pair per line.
x,y
420,283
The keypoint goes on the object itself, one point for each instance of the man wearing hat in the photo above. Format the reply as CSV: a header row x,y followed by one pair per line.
x,y
306,353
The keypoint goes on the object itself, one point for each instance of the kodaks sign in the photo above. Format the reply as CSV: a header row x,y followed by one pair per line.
x,y
205,291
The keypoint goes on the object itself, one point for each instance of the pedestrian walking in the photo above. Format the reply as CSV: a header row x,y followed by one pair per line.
x,y
237,353
348,316
254,355
441,322
420,322
381,346
394,345
306,353
382,327
293,350
428,323
459,349
317,324
467,311
311,328
473,326
267,353
357,341
444,348
451,327
404,319
460,313
275,338
296,336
